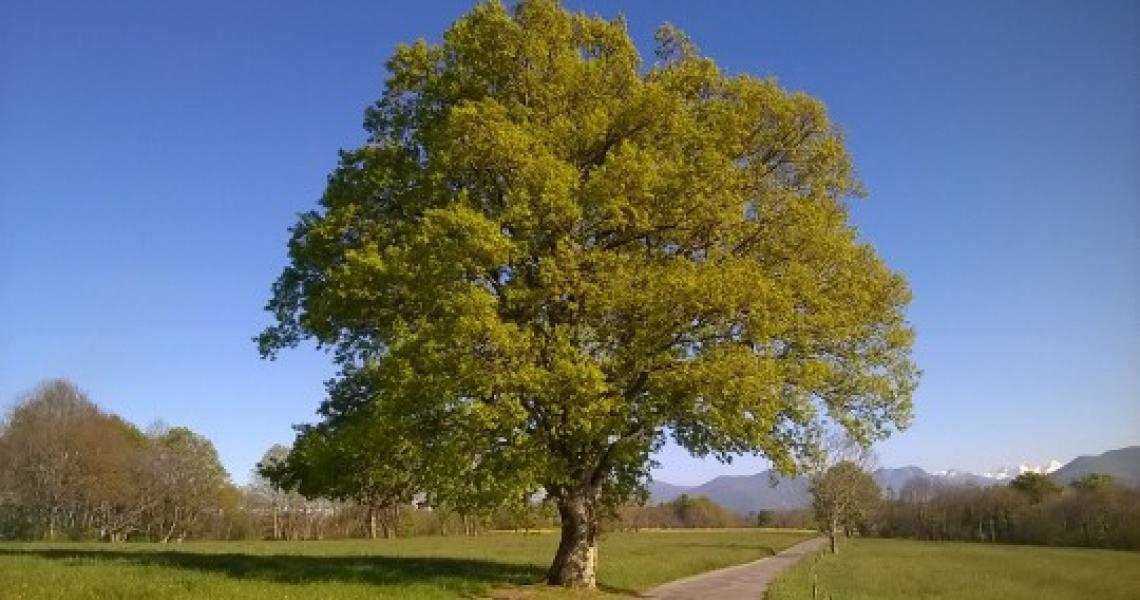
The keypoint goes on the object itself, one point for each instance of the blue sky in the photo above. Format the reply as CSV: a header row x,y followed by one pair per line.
x,y
153,154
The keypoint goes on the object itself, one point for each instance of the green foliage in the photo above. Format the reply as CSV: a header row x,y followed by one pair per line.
x,y
275,469
701,512
843,498
524,516
188,480
1035,486
1093,482
549,255
685,511
348,458
901,570
1094,513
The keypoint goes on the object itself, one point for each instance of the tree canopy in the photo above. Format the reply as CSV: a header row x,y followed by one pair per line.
x,y
1093,482
843,497
350,458
1035,486
67,467
550,255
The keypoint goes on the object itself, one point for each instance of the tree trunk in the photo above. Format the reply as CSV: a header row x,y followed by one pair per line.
x,y
372,522
173,524
834,537
575,563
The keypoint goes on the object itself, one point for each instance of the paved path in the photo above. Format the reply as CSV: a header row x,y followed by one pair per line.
x,y
742,582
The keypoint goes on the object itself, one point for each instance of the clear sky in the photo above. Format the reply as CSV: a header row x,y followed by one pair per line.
x,y
153,154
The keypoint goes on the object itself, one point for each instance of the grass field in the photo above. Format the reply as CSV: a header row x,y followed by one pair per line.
x,y
869,569
503,564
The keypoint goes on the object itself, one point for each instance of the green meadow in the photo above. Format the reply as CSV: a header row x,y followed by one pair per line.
x,y
507,565
879,569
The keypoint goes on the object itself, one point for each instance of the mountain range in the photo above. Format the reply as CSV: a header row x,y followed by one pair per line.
x,y
767,490
1122,464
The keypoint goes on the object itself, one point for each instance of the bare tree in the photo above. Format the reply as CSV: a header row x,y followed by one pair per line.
x,y
68,467
294,516
41,453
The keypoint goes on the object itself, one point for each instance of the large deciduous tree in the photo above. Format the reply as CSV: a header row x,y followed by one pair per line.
x,y
550,255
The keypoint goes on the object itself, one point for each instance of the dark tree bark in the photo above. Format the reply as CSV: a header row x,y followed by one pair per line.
x,y
575,563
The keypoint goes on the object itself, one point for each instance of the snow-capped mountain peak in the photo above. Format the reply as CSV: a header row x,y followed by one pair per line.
x,y
1010,472
952,474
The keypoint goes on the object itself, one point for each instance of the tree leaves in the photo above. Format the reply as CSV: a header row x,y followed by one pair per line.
x,y
549,255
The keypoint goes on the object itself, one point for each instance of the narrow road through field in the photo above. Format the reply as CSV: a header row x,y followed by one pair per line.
x,y
742,582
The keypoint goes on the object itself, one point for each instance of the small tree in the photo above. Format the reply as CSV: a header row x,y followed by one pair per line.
x,y
842,497
273,480
350,459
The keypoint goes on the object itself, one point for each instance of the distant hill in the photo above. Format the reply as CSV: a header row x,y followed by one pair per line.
x,y
1122,464
893,480
659,491
749,493
741,493
764,490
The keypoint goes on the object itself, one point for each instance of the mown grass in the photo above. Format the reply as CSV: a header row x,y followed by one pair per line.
x,y
867,569
499,564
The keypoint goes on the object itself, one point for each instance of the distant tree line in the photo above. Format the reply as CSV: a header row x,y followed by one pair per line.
x,y
783,518
684,511
1093,511
70,471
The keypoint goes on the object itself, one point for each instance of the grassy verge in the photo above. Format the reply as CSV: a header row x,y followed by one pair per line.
x,y
875,569
502,564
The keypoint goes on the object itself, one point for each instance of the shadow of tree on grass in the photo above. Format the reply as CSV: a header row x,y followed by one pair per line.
x,y
460,575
